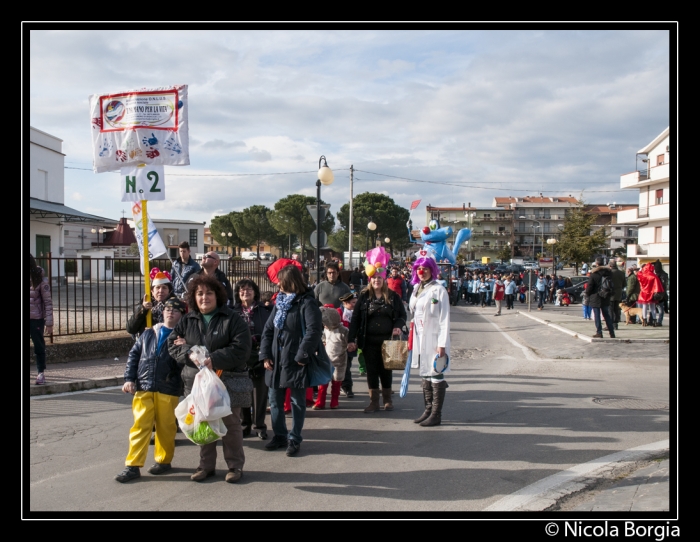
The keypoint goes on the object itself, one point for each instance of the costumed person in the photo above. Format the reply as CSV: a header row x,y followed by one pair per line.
x,y
152,376
565,298
211,323
291,336
649,286
335,339
379,314
499,292
161,289
430,306
40,315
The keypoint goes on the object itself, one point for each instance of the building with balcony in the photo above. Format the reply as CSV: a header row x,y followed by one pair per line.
x,y
619,235
492,228
652,216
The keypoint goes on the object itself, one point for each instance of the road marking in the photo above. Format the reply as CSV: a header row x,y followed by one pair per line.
x,y
526,351
556,482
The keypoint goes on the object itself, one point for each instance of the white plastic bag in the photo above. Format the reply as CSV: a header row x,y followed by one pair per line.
x,y
200,414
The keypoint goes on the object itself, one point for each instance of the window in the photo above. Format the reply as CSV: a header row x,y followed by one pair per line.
x,y
617,240
193,239
65,233
659,199
487,243
174,254
630,232
657,234
501,228
618,228
487,215
660,160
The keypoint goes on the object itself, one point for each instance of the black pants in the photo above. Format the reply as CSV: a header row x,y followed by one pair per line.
x,y
509,301
347,382
615,310
375,366
256,418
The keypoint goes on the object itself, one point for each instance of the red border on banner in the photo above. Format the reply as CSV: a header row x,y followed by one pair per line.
x,y
110,96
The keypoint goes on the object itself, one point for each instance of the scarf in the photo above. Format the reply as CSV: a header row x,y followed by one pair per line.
x,y
283,302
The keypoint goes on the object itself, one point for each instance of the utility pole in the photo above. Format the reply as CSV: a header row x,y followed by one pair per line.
x,y
350,223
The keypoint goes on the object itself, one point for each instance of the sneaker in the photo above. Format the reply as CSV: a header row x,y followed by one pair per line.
x,y
275,443
292,447
40,379
160,468
128,474
262,435
233,475
201,474
344,392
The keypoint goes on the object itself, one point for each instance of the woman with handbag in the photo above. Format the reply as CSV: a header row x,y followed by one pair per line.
x,y
246,298
430,306
211,323
290,339
379,314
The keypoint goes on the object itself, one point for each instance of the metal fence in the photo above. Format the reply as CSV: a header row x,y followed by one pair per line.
x,y
97,295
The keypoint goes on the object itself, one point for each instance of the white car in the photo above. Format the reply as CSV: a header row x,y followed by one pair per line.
x,y
249,255
530,266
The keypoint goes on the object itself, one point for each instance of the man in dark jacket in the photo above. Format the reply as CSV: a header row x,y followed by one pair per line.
x,y
597,303
183,268
210,266
152,376
618,279
356,278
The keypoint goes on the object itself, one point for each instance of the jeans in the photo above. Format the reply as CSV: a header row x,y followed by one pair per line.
x,y
279,423
605,309
659,313
540,298
586,312
36,333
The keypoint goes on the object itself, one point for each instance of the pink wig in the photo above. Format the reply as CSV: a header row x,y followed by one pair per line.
x,y
424,262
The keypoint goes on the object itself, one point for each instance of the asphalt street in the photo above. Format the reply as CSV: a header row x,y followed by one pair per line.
x,y
526,402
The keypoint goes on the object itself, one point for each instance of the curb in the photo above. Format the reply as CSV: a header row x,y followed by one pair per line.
x,y
588,338
75,385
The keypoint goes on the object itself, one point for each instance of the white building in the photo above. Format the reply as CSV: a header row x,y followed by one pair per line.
x,y
48,216
652,180
174,232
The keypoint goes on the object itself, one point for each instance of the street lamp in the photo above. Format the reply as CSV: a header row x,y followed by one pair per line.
x,y
387,241
371,226
529,275
224,234
552,242
325,177
470,216
101,231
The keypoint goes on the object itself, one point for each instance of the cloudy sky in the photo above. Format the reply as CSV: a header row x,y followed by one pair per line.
x,y
445,116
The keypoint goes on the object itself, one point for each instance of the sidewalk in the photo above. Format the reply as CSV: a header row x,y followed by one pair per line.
x,y
645,488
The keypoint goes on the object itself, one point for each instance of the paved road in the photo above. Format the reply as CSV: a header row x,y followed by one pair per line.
x,y
526,402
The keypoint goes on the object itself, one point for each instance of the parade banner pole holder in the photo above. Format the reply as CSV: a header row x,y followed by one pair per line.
x,y
146,269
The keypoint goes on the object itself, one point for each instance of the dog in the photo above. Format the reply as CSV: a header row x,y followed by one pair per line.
x,y
630,312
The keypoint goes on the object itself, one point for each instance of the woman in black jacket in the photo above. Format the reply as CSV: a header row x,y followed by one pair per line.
x,y
379,314
212,324
246,296
291,336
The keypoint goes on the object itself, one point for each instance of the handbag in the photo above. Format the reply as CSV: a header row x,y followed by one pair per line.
x,y
395,354
239,387
319,369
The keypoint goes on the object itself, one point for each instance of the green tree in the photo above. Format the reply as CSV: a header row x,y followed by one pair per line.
x,y
338,240
253,227
291,217
578,243
224,224
504,253
389,217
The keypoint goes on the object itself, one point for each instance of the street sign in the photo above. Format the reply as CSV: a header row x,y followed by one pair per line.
x,y
312,238
313,213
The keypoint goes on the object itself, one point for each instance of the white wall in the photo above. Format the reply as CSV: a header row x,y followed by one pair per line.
x,y
46,178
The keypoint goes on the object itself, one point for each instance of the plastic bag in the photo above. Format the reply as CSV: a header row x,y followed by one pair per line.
x,y
200,414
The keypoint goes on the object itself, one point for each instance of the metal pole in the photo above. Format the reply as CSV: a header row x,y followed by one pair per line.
x,y
318,230
350,223
529,274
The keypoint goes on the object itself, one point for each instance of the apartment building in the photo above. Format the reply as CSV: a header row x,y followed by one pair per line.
x,y
652,217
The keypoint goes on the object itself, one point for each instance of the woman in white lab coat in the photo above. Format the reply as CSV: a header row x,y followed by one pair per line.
x,y
430,306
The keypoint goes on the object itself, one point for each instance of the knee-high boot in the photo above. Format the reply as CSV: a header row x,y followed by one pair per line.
x,y
321,398
335,393
438,400
428,398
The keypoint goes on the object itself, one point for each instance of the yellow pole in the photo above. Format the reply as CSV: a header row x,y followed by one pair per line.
x,y
146,269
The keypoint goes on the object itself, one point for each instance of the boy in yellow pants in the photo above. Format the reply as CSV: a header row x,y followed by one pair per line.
x,y
153,377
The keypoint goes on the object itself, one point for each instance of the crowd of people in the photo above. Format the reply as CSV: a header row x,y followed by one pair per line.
x,y
260,344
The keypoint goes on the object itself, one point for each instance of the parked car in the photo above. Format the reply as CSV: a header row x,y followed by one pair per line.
x,y
249,255
501,268
575,291
515,268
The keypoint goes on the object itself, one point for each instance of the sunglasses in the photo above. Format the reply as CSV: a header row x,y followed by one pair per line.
x,y
207,256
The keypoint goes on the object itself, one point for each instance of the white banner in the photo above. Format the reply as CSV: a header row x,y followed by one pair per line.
x,y
143,183
145,126
155,243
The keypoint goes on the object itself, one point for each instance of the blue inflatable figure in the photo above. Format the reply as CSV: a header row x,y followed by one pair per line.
x,y
433,238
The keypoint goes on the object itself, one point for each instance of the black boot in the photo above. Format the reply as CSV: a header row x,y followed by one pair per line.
x,y
438,400
428,398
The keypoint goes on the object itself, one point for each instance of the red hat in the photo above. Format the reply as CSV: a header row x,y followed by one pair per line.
x,y
275,267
